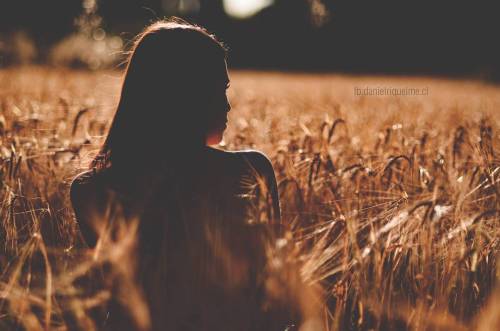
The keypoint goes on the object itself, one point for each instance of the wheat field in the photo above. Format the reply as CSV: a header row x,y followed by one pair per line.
x,y
392,202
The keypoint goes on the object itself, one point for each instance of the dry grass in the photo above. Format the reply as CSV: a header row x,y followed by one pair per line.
x,y
393,202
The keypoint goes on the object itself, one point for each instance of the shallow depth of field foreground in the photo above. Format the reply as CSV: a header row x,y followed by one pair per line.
x,y
392,202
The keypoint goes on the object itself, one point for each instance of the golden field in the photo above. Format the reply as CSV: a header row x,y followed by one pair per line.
x,y
392,202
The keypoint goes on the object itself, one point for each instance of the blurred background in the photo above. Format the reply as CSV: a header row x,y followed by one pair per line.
x,y
445,38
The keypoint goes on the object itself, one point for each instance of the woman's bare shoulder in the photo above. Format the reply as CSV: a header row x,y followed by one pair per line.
x,y
85,185
261,167
256,160
81,180
244,161
250,155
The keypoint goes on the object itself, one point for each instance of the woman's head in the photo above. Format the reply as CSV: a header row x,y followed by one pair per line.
x,y
173,96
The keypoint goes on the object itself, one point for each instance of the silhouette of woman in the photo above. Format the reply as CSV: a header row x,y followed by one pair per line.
x,y
201,242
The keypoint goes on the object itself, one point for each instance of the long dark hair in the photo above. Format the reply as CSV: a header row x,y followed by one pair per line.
x,y
166,88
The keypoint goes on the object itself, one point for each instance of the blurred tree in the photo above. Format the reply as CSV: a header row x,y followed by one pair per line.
x,y
445,37
45,21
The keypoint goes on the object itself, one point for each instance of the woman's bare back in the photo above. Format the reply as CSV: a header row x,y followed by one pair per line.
x,y
227,180
201,246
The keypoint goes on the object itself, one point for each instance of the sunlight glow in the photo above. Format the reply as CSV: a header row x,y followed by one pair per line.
x,y
245,8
